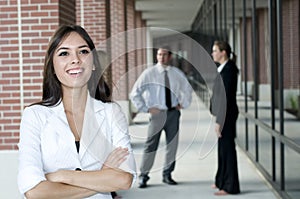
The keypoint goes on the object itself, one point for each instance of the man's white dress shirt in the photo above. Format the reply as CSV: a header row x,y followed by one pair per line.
x,y
149,90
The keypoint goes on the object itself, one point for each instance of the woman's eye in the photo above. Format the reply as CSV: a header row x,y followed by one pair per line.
x,y
84,51
63,54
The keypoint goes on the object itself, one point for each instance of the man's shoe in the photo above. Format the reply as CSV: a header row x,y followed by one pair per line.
x,y
143,181
169,180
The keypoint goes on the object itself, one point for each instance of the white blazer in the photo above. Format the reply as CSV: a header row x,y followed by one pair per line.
x,y
47,143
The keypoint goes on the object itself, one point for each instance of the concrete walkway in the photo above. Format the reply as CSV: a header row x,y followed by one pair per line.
x,y
195,168
196,162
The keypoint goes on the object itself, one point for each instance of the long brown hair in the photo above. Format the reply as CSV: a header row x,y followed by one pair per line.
x,y
52,90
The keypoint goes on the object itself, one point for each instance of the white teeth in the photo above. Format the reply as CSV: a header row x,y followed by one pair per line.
x,y
74,71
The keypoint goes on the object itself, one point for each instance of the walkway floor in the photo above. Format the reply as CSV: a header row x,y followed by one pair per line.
x,y
196,163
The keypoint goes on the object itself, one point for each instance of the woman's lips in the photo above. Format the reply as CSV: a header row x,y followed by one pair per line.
x,y
75,71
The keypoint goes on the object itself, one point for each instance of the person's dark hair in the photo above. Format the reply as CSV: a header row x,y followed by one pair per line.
x,y
166,48
223,45
52,90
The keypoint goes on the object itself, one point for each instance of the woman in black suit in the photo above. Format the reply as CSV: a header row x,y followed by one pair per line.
x,y
224,107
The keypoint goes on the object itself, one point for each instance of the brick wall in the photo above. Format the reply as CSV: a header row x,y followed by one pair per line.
x,y
291,76
123,72
118,48
131,44
140,39
22,53
263,49
94,19
291,60
9,76
249,50
93,13
23,49
124,59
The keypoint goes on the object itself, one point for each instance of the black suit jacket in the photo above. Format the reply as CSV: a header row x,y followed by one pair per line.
x,y
223,101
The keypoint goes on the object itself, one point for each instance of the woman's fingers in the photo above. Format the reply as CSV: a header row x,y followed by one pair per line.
x,y
116,157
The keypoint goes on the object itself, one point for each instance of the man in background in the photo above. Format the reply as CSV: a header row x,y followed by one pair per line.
x,y
161,90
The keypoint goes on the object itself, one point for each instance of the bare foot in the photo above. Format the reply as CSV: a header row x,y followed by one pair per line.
x,y
221,193
213,186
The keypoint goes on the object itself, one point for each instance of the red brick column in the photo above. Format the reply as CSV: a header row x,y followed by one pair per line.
x,y
141,42
94,19
118,48
131,44
24,37
291,46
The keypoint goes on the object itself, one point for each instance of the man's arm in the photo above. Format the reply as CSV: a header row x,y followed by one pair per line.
x,y
136,95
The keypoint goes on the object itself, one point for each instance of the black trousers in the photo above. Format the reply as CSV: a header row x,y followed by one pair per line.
x,y
227,174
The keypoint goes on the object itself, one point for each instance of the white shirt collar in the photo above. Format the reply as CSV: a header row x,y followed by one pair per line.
x,y
220,68
162,69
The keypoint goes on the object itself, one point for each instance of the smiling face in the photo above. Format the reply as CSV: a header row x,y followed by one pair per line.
x,y
73,62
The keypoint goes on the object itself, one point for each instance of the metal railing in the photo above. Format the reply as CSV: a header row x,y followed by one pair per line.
x,y
203,93
201,90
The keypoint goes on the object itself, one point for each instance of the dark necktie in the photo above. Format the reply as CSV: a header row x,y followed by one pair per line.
x,y
167,90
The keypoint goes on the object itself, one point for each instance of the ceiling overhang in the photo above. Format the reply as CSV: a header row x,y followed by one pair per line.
x,y
177,15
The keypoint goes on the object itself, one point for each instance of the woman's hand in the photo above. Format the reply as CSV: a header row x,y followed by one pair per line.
x,y
57,176
218,130
116,158
109,178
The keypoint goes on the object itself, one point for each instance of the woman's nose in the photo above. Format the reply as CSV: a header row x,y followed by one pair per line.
x,y
75,59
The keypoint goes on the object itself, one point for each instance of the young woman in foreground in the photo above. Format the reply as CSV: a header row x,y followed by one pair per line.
x,y
75,142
